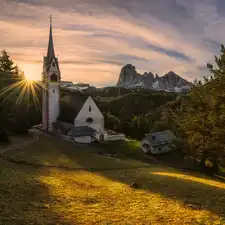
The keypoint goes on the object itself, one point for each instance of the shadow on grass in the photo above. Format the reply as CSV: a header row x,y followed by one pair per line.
x,y
191,189
25,199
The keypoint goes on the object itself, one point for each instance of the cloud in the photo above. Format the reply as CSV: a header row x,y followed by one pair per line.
x,y
94,39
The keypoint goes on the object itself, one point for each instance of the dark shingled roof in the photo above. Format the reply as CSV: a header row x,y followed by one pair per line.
x,y
83,131
160,138
51,52
70,106
64,127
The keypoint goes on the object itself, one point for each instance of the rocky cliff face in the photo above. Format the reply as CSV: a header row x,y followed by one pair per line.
x,y
170,82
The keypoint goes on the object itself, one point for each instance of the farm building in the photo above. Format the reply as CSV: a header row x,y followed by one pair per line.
x,y
158,143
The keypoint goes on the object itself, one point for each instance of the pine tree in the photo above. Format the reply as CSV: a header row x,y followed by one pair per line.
x,y
203,117
6,64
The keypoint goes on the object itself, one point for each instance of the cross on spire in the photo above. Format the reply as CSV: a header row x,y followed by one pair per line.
x,y
50,17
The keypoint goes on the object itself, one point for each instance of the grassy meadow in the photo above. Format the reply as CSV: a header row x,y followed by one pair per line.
x,y
89,188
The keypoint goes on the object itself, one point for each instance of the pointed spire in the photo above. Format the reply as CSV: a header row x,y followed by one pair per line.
x,y
51,52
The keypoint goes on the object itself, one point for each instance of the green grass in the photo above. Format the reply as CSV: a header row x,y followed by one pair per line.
x,y
50,152
124,149
31,195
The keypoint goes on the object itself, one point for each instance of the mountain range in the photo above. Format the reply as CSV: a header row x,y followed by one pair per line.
x,y
170,82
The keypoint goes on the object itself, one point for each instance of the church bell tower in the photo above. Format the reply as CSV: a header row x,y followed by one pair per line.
x,y
51,86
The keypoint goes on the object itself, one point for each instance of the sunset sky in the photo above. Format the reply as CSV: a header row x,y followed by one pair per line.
x,y
95,38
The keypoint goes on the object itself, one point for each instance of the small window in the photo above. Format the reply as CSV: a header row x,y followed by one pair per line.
x,y
89,120
153,137
89,108
159,149
53,64
53,91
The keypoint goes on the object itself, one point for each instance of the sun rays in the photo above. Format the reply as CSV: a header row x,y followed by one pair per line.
x,y
22,91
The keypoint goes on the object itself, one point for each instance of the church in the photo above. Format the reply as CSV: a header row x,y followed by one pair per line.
x,y
77,117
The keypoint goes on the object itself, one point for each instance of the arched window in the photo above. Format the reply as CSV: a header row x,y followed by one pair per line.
x,y
89,120
53,78
53,64
89,108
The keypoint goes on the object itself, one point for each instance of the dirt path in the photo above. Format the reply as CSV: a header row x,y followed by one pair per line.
x,y
22,144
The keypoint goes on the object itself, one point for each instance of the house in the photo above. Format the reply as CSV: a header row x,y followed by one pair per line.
x,y
82,116
157,143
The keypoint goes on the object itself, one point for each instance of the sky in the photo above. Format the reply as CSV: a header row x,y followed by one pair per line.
x,y
94,39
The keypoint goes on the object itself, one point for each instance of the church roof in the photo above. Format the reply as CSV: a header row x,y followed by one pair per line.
x,y
50,53
81,131
70,106
64,127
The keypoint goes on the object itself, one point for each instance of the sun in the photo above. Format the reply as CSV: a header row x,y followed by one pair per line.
x,y
32,72
28,78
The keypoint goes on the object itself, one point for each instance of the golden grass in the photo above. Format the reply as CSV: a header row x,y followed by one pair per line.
x,y
192,178
54,196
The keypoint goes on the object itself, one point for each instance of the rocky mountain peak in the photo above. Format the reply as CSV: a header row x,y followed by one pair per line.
x,y
171,82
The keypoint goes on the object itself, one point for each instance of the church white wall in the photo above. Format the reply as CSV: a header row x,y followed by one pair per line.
x,y
98,135
44,109
116,137
53,68
95,114
53,101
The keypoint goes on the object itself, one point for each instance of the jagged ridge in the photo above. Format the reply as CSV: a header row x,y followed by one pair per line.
x,y
170,82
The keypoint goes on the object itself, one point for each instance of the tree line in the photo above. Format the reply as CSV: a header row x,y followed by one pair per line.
x,y
17,110
197,119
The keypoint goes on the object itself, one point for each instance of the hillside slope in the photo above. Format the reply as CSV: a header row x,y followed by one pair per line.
x,y
44,195
125,103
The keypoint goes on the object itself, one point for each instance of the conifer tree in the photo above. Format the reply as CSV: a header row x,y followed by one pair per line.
x,y
6,64
203,116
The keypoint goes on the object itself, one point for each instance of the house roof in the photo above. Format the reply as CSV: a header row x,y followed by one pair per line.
x,y
70,106
64,127
83,131
160,138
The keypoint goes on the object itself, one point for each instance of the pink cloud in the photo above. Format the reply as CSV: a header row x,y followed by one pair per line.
x,y
26,40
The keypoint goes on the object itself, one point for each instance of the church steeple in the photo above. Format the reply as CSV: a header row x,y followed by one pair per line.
x,y
51,86
51,52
